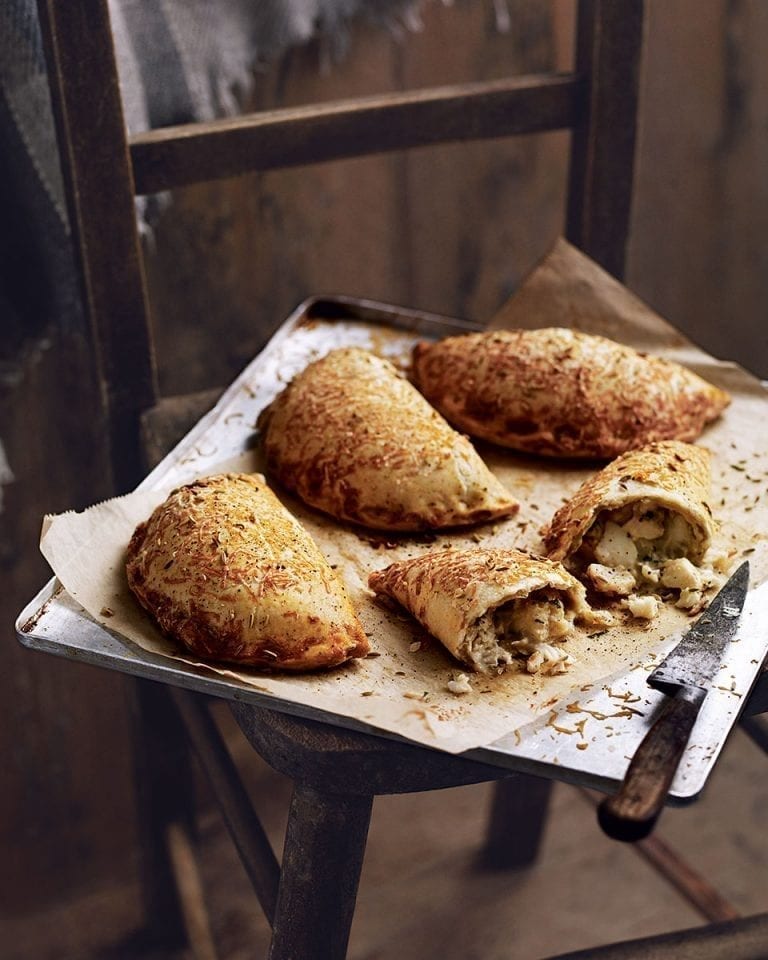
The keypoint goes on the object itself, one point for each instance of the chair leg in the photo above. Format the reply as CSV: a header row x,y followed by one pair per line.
x,y
323,855
244,826
165,798
190,887
517,820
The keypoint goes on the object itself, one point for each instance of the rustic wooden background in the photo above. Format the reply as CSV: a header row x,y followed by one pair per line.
x,y
448,229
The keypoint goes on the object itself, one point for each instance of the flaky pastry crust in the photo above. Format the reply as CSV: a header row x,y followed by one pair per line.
x,y
670,475
559,392
451,592
355,439
227,572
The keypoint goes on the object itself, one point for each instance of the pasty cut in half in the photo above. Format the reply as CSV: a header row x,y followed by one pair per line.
x,y
563,393
640,527
226,571
490,607
356,440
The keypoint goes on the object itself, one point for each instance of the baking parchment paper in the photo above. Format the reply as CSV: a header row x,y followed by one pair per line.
x,y
402,687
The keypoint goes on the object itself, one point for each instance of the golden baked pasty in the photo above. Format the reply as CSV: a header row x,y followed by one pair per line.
x,y
562,393
642,524
489,607
356,440
226,571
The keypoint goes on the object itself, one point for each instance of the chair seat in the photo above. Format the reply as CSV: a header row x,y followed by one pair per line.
x,y
355,763
164,424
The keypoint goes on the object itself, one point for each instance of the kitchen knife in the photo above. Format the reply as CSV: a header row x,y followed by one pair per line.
x,y
685,675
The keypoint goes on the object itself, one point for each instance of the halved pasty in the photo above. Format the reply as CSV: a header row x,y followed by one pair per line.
x,y
353,438
226,571
562,393
640,525
489,607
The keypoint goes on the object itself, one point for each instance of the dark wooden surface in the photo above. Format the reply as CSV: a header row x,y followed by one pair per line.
x,y
449,230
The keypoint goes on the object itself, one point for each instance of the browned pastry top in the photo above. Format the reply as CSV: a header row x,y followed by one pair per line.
x,y
226,571
559,392
355,439
455,594
668,474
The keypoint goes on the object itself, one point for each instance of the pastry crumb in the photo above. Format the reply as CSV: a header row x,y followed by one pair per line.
x,y
642,607
459,684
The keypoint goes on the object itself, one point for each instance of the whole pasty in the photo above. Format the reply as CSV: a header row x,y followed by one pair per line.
x,y
643,523
226,571
355,439
488,607
562,393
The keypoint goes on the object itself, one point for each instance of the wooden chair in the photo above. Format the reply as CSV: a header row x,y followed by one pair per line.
x,y
743,939
310,898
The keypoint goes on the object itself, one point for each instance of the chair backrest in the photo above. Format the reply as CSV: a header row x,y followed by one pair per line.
x,y
104,169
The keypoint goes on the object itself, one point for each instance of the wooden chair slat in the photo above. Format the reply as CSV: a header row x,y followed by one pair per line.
x,y
181,155
608,49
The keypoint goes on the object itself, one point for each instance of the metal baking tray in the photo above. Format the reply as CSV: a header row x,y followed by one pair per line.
x,y
557,746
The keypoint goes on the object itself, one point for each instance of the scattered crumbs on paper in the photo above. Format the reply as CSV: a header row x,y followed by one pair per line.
x,y
626,696
578,728
624,712
732,690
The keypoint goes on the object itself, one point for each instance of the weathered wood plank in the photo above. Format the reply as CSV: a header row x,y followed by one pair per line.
x,y
474,217
602,170
176,156
698,252
233,258
65,774
97,178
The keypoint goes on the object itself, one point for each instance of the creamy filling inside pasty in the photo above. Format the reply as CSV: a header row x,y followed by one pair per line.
x,y
639,552
523,629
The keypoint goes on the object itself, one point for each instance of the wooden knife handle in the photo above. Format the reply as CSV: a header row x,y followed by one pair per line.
x,y
632,812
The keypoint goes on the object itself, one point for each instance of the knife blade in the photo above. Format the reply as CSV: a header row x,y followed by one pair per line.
x,y
685,675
